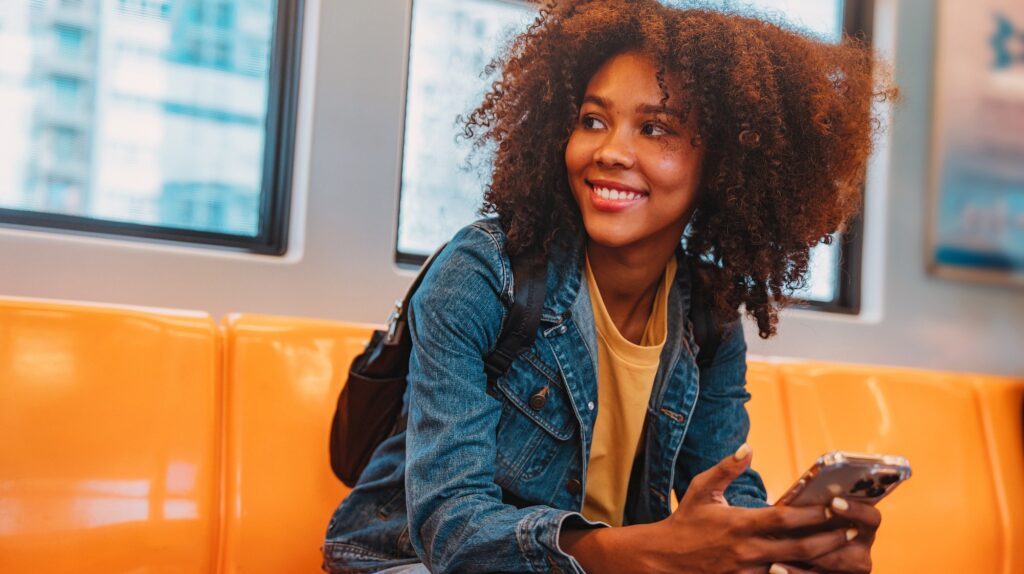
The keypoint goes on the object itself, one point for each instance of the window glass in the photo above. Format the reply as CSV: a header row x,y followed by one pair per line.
x,y
451,42
150,112
438,195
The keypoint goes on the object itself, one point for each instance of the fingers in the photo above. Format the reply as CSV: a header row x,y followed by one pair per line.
x,y
718,477
780,520
807,548
866,518
854,558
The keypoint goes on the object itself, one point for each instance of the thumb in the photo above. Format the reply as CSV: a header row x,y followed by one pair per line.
x,y
712,482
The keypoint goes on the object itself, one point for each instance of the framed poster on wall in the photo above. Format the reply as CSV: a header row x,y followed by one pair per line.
x,y
976,224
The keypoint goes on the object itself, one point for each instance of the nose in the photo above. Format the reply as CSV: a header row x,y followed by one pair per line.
x,y
615,150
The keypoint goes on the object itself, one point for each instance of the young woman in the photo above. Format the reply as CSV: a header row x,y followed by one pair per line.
x,y
631,140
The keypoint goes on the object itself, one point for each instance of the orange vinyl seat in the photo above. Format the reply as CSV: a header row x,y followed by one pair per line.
x,y
138,448
281,384
109,426
769,430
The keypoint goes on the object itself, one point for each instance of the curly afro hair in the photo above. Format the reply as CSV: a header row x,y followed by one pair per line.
x,y
786,122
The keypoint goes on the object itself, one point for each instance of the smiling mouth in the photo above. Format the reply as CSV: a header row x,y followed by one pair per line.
x,y
612,194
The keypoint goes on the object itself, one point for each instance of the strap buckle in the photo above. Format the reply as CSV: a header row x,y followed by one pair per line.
x,y
393,318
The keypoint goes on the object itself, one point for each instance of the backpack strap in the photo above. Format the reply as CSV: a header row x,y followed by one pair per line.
x,y
707,330
529,279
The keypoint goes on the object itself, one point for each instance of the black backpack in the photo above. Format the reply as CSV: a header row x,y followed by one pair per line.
x,y
370,404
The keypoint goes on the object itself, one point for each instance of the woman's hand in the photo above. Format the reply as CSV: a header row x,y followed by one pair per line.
x,y
707,535
853,558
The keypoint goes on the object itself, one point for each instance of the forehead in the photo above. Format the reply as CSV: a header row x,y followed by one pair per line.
x,y
630,77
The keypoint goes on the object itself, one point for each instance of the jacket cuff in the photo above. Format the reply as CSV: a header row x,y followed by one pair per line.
x,y
538,536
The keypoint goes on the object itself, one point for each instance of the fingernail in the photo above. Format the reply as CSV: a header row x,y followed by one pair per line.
x,y
828,514
776,569
840,504
851,534
742,452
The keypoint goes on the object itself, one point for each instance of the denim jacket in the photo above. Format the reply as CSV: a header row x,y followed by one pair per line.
x,y
483,479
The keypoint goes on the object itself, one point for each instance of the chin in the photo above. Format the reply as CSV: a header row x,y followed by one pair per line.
x,y
609,235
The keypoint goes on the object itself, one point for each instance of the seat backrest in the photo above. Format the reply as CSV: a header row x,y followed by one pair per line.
x,y
109,423
281,384
769,428
1002,415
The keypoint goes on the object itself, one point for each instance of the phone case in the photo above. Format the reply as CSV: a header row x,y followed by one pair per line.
x,y
856,476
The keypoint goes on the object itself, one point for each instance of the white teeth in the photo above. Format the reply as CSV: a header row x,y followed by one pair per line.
x,y
616,195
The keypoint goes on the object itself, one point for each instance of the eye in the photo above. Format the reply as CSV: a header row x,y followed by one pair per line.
x,y
655,129
591,123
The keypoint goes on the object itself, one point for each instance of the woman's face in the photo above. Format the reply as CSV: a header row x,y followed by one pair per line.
x,y
631,165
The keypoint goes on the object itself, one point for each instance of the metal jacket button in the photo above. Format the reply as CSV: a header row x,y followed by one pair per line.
x,y
539,399
573,486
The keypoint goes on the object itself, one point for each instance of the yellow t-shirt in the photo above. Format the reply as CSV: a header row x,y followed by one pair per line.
x,y
625,376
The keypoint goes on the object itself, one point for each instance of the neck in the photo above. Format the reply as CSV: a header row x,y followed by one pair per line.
x,y
628,280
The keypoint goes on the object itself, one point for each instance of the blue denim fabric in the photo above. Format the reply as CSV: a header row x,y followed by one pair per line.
x,y
479,481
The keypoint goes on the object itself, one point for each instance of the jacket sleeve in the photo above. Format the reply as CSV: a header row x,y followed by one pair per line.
x,y
720,423
457,520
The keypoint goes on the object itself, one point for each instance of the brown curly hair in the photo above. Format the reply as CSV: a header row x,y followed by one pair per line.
x,y
786,122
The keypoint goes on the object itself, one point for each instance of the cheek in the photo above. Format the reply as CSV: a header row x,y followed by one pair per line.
x,y
678,170
573,155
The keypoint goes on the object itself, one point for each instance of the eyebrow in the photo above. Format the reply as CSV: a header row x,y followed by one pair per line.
x,y
642,108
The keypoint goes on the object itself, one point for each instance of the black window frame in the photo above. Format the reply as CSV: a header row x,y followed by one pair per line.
x,y
279,145
858,22
858,18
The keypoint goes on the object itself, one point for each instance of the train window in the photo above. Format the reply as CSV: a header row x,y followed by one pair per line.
x,y
438,194
150,118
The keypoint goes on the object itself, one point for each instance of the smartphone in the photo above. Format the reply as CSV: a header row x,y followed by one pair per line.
x,y
865,478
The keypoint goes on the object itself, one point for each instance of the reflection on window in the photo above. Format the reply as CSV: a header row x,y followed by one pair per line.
x,y
140,111
451,42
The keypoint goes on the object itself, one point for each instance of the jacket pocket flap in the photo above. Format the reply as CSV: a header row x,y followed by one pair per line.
x,y
541,400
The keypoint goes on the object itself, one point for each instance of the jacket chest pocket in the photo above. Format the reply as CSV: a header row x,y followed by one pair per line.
x,y
538,393
537,420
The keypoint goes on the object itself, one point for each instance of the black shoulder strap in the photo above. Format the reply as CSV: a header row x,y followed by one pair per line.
x,y
706,328
529,279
